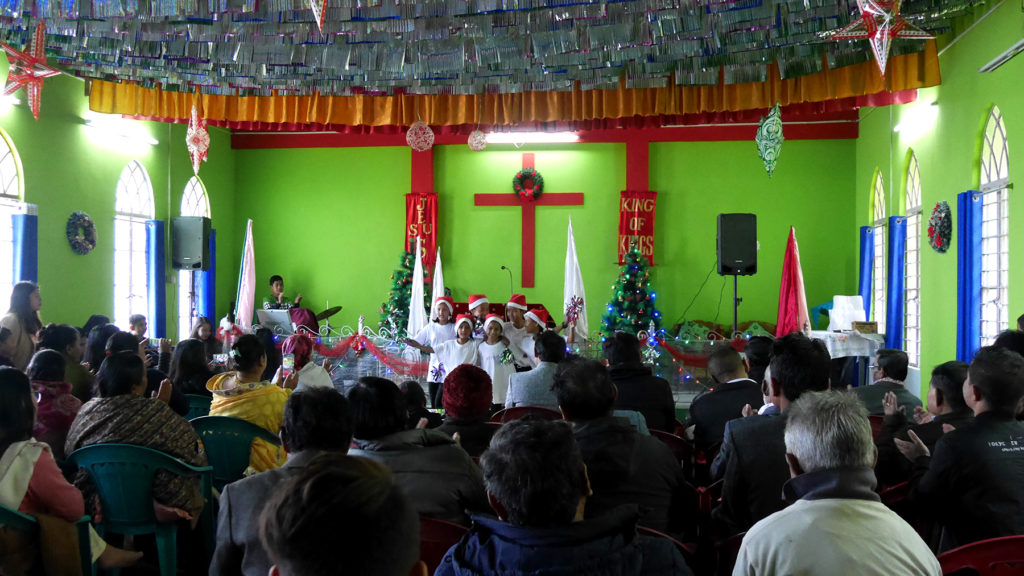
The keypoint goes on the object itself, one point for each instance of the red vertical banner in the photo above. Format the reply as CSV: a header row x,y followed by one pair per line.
x,y
636,221
421,221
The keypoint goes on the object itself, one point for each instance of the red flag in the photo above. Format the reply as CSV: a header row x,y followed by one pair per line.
x,y
793,315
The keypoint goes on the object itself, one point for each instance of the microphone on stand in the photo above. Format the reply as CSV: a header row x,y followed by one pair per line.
x,y
511,290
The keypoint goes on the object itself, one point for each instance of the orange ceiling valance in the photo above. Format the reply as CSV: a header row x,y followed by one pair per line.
x,y
905,72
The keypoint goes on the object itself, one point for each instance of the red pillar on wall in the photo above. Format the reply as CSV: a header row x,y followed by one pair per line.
x,y
637,164
422,171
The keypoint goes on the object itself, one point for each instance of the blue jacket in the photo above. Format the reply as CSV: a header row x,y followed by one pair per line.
x,y
606,546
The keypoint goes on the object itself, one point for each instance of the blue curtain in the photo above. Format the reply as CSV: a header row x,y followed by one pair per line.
x,y
206,285
26,247
895,294
155,279
867,260
968,273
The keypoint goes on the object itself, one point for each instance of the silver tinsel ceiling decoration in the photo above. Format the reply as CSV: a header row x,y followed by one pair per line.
x,y
256,47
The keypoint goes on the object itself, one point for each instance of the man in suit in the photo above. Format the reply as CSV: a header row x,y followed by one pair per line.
x,y
533,388
753,454
316,420
639,389
888,374
733,390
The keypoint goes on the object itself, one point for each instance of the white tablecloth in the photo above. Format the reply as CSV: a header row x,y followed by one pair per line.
x,y
843,344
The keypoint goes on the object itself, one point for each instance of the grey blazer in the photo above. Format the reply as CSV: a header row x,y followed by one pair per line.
x,y
533,388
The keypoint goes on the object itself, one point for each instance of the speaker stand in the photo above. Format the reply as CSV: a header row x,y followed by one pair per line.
x,y
735,305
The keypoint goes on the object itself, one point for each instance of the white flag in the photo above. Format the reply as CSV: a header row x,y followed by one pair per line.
x,y
246,298
574,298
417,315
438,290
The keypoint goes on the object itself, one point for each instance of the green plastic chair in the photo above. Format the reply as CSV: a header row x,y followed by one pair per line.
x,y
25,523
228,444
198,406
123,476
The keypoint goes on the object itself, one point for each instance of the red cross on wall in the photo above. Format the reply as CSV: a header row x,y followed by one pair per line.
x,y
529,214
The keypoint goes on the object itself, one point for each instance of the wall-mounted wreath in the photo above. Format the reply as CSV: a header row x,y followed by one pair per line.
x,y
528,184
940,227
81,233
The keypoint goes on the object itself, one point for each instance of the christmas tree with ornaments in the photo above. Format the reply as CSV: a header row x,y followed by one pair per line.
x,y
632,307
394,314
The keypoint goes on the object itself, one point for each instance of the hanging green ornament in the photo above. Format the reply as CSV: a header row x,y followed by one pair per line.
x,y
769,139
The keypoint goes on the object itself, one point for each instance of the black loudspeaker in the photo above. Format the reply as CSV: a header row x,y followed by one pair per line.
x,y
737,244
190,243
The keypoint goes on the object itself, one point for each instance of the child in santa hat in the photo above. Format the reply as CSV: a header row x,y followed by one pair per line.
x,y
479,307
452,353
440,329
497,359
536,322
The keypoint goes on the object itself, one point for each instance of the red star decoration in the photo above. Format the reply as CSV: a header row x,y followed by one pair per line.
x,y
197,139
29,68
880,21
319,8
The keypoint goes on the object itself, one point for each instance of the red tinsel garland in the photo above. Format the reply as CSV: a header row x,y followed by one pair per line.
x,y
699,360
360,342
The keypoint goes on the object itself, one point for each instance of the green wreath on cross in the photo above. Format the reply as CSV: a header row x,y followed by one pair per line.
x,y
528,184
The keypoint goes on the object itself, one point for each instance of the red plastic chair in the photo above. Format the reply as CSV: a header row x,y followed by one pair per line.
x,y
436,537
517,412
895,494
681,447
1003,556
876,425
728,551
687,550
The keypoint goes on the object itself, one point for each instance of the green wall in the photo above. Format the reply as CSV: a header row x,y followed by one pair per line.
x,y
65,169
344,249
948,153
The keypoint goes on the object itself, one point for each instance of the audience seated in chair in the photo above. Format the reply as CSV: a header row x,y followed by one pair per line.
x,y
836,523
438,477
242,394
972,484
467,406
733,390
624,467
56,407
416,404
127,342
887,375
30,481
341,515
945,406
533,388
310,373
190,370
316,421
68,342
752,458
758,355
96,349
538,486
122,414
638,388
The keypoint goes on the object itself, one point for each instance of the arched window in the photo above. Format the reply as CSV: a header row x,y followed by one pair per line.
x,y
995,239
132,207
878,276
10,204
912,273
194,202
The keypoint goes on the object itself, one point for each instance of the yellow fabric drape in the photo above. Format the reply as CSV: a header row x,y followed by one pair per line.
x,y
904,72
261,404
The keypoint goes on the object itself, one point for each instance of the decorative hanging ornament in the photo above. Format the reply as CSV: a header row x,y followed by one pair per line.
x,y
477,141
420,137
197,139
319,8
769,139
940,227
880,21
29,68
528,184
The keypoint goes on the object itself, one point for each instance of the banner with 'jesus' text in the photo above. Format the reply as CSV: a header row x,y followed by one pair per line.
x,y
636,221
421,221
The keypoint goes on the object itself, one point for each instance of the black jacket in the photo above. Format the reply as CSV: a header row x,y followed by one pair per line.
x,y
605,546
196,383
973,484
892,467
628,468
872,395
753,464
474,436
711,410
644,392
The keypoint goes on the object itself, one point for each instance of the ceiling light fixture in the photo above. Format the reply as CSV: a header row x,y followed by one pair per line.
x,y
7,103
532,137
117,131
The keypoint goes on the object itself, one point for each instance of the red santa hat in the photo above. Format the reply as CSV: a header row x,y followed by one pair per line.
x,y
477,300
463,318
539,316
517,301
445,300
492,318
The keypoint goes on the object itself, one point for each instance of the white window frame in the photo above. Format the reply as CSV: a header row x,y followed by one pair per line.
x,y
133,205
879,272
12,190
995,229
912,272
194,202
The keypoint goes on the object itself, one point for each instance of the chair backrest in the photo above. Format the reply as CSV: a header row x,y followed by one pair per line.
x,y
895,494
198,406
987,557
876,425
17,521
436,537
681,447
728,551
228,444
687,550
123,476
517,412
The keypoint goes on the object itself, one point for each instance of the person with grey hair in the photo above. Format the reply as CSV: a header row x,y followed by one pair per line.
x,y
836,523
